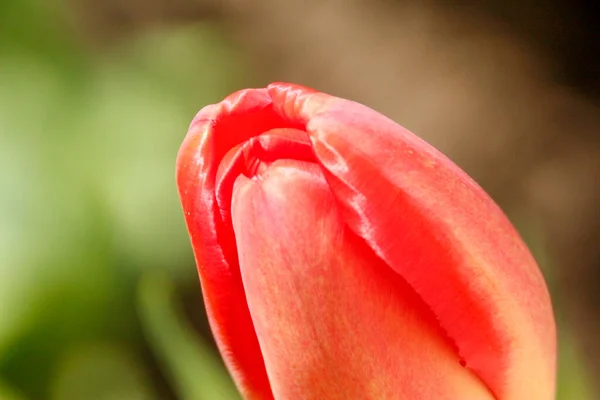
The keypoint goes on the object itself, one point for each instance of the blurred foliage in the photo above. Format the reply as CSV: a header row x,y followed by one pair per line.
x,y
191,364
92,241
89,204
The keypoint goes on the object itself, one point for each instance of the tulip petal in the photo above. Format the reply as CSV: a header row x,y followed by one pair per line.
x,y
215,130
441,232
333,321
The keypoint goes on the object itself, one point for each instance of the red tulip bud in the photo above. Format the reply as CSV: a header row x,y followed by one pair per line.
x,y
341,257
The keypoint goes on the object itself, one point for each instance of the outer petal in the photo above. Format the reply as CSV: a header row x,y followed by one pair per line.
x,y
214,131
333,321
441,232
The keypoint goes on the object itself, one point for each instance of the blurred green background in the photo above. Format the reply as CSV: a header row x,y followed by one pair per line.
x,y
92,240
99,297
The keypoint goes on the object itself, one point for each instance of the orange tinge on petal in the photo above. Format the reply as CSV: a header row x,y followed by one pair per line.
x,y
342,257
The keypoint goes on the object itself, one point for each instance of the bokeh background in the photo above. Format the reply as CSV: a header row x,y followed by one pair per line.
x,y
99,297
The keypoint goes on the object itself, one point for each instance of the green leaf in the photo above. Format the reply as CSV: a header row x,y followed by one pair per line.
x,y
196,372
8,393
101,371
573,379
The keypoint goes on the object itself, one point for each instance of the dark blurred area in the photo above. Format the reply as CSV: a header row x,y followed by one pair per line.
x,y
99,297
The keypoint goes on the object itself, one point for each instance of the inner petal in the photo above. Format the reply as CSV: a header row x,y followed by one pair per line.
x,y
251,157
333,321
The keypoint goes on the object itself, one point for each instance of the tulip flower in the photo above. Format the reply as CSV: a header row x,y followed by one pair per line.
x,y
342,257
